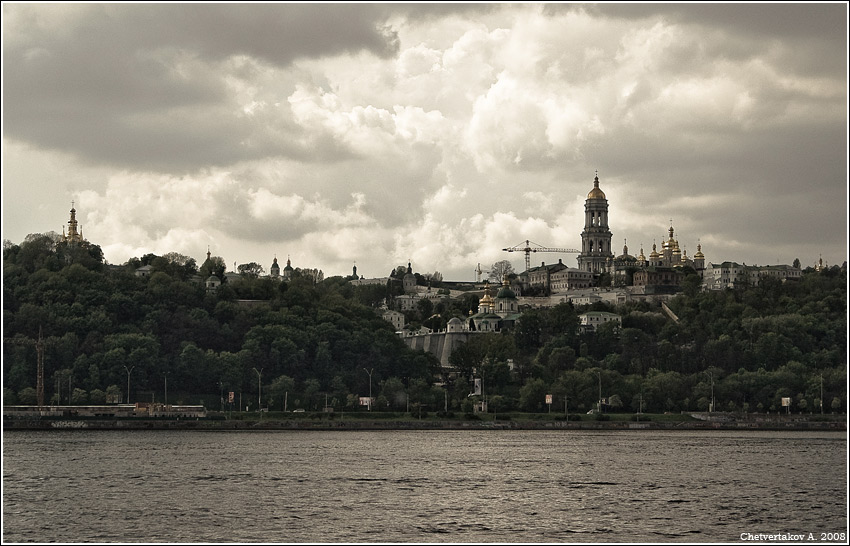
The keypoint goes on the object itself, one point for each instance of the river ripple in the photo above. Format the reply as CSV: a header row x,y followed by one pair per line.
x,y
421,486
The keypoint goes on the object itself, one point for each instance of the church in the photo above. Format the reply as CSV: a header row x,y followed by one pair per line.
x,y
74,234
660,272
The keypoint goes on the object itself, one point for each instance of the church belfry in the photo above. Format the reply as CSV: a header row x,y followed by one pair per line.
x,y
73,235
596,237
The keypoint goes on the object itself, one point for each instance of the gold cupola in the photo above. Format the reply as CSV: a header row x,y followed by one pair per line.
x,y
596,193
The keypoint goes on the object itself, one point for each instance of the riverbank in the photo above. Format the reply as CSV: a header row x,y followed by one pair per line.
x,y
687,422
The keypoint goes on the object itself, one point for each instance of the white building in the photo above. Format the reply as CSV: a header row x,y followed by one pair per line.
x,y
591,320
395,318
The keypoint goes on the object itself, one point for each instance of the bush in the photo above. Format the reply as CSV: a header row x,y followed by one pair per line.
x,y
602,417
27,396
642,417
9,397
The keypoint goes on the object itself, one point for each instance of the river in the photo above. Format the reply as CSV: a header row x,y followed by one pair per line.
x,y
423,486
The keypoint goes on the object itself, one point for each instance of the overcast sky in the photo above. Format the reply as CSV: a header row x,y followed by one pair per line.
x,y
437,133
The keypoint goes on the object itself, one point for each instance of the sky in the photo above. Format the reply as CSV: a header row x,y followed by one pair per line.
x,y
438,134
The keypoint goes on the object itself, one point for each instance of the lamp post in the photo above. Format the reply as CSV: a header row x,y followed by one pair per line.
x,y
370,386
259,388
821,394
599,402
165,376
711,377
130,369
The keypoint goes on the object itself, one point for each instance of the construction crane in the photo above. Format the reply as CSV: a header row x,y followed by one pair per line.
x,y
528,249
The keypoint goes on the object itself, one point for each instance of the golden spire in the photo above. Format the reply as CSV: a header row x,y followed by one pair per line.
x,y
73,235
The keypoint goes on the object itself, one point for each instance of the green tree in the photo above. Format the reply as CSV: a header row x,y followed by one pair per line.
x,y
501,269
279,390
27,396
251,270
532,395
393,390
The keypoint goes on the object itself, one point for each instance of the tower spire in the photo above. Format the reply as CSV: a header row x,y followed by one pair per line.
x,y
74,235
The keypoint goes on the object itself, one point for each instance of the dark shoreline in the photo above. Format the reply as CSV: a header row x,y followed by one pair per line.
x,y
358,424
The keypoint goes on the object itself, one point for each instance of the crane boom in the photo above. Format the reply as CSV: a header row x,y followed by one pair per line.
x,y
528,249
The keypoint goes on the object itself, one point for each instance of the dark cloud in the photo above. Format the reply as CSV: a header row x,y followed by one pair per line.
x,y
810,31
763,20
123,85
730,119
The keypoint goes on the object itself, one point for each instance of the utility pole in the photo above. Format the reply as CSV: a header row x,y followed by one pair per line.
x,y
39,389
39,349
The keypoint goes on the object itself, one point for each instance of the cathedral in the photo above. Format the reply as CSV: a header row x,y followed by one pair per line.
x,y
597,257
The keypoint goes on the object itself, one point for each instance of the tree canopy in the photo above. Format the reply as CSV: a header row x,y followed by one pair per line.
x,y
312,338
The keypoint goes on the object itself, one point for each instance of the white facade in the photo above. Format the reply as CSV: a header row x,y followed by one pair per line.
x,y
395,318
593,319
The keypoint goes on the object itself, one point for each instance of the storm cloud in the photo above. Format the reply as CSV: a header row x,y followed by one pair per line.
x,y
440,134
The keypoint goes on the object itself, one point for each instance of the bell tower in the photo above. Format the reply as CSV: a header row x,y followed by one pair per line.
x,y
596,237
74,235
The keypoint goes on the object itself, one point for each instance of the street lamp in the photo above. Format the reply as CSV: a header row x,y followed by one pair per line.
x,y
711,377
599,402
370,386
259,388
165,376
130,369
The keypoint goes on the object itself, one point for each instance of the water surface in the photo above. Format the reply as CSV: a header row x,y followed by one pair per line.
x,y
421,486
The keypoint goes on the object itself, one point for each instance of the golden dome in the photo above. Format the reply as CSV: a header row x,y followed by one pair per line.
x,y
699,255
654,253
596,193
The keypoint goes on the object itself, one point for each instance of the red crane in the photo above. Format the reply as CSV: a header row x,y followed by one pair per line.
x,y
528,249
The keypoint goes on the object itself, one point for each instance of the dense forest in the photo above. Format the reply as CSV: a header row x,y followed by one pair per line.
x,y
307,342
